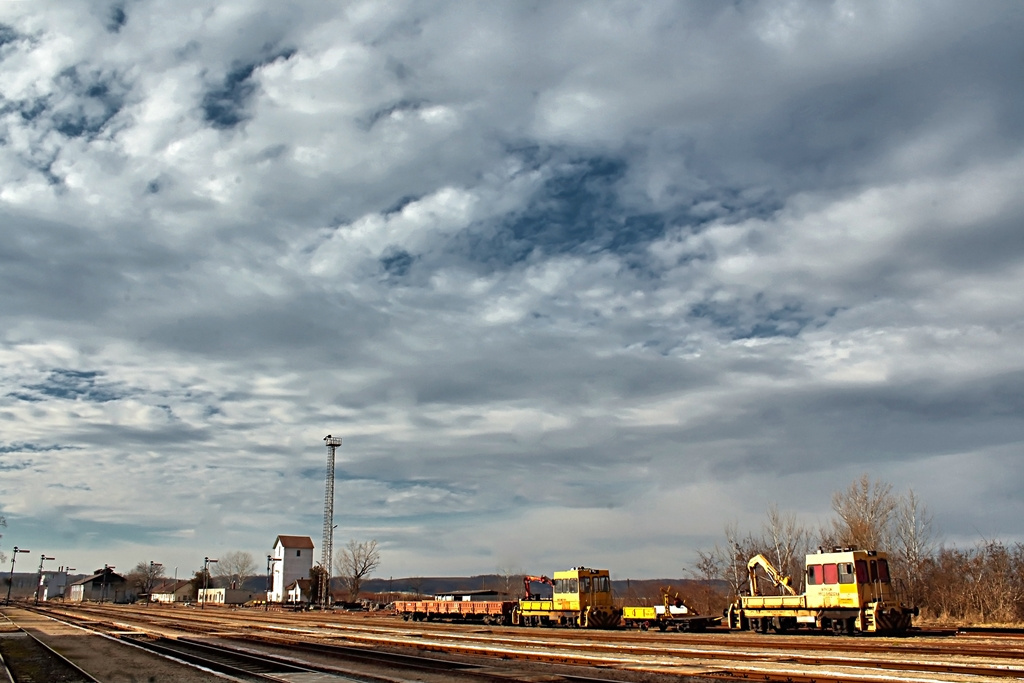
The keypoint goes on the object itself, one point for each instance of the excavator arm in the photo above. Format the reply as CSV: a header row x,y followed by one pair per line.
x,y
777,577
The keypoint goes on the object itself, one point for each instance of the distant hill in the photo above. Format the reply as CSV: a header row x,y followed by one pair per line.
x,y
638,589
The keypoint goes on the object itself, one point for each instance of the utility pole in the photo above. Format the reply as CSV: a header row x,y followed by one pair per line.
x,y
39,583
327,545
14,558
154,567
270,563
206,580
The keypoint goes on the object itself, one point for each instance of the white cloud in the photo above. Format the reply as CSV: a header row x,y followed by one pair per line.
x,y
608,265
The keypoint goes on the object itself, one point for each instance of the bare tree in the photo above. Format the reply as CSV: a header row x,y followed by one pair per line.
x,y
787,541
708,571
864,512
914,544
235,567
734,556
355,562
144,576
510,576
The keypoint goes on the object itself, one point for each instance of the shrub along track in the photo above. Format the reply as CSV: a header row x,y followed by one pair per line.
x,y
715,654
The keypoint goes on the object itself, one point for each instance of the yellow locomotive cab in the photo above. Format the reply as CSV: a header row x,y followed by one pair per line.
x,y
580,597
847,591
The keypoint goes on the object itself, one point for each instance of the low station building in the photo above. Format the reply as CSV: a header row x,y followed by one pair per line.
x,y
173,591
228,596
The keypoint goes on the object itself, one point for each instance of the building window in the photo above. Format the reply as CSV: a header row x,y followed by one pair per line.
x,y
298,553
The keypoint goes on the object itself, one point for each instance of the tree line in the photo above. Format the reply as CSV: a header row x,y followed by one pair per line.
x,y
980,584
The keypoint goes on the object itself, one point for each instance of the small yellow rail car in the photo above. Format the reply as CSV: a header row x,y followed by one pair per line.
x,y
848,591
581,597
672,614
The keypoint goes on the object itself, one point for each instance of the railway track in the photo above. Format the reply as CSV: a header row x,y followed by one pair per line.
x,y
24,657
241,662
359,630
680,656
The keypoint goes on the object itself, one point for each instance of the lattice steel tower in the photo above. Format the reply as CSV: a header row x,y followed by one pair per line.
x,y
327,546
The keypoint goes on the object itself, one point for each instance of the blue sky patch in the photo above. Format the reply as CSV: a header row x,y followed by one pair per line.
x,y
116,19
97,99
78,385
226,106
7,34
31,448
577,210
753,319
396,262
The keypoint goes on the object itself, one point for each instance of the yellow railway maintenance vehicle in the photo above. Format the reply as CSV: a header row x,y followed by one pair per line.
x,y
848,591
673,614
580,597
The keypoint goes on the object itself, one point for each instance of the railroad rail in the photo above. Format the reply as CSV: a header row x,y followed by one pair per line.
x,y
243,664
377,630
25,657
711,656
238,664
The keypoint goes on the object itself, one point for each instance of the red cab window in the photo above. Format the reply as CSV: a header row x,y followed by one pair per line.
x,y
831,573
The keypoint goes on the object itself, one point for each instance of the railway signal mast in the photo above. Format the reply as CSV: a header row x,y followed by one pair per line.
x,y
327,545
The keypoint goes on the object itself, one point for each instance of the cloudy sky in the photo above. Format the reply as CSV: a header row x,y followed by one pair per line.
x,y
576,282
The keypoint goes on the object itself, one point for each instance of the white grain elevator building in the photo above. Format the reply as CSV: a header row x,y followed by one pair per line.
x,y
293,560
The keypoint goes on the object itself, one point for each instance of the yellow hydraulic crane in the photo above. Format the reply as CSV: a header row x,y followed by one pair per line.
x,y
777,577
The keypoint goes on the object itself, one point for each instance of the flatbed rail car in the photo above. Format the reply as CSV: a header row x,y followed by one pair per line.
x,y
672,614
458,607
848,591
581,597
